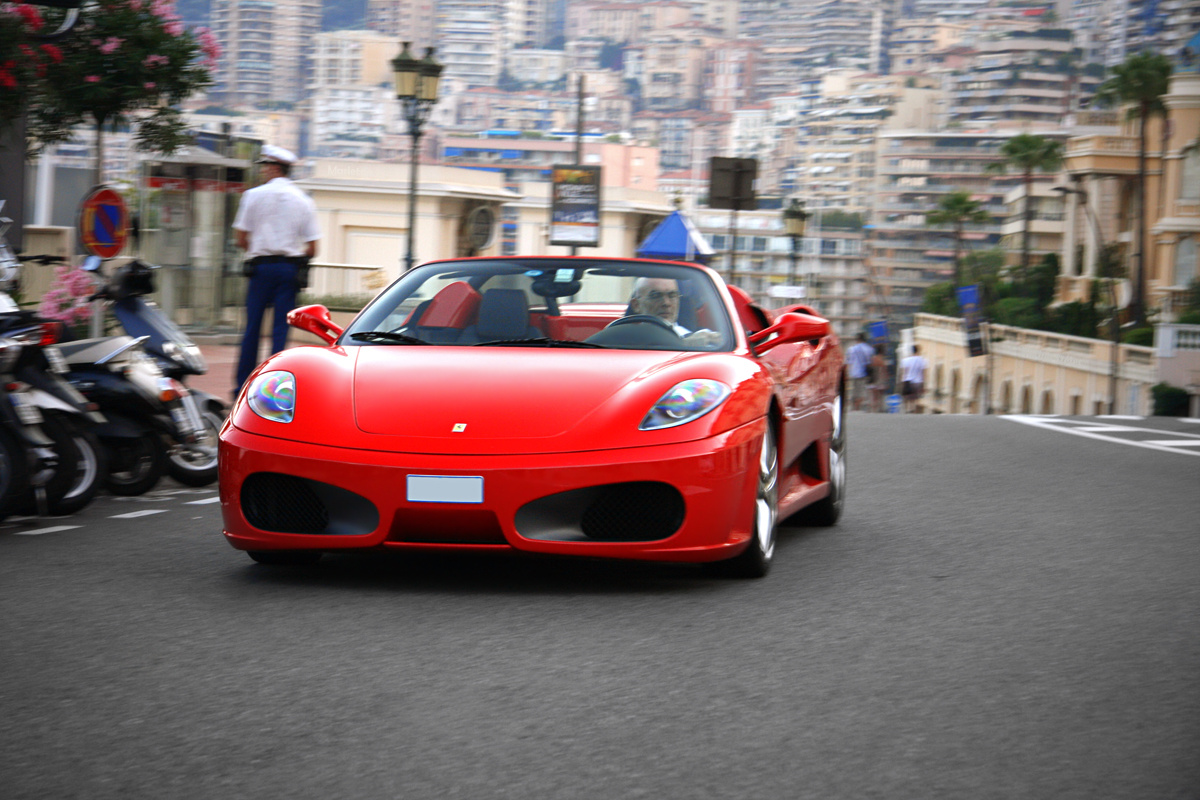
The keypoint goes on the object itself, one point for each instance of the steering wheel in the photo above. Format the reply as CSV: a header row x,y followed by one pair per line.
x,y
635,318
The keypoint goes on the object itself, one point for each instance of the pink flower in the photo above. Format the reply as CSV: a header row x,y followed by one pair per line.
x,y
91,79
148,85
174,27
111,44
154,61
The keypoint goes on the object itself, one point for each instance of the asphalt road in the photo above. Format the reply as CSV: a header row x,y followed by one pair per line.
x,y
1008,610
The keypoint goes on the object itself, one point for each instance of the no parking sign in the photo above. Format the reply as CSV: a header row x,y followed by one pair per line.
x,y
103,222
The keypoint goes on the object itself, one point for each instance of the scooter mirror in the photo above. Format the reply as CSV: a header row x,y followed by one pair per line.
x,y
92,263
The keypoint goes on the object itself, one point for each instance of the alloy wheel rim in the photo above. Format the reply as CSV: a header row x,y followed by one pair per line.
x,y
764,503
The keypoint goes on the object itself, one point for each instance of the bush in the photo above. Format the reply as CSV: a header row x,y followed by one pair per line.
x,y
1189,318
1169,401
1139,336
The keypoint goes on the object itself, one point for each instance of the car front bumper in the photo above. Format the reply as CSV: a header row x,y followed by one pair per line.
x,y
690,501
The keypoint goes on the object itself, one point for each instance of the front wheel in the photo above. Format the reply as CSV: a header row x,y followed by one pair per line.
x,y
83,464
195,464
135,464
755,560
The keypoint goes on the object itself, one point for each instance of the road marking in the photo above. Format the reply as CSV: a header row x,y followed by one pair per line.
x,y
40,531
203,502
1106,428
145,513
1095,432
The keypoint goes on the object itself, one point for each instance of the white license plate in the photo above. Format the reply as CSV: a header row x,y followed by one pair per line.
x,y
27,412
57,362
445,489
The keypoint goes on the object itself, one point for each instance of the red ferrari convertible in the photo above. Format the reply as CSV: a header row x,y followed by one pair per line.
x,y
618,408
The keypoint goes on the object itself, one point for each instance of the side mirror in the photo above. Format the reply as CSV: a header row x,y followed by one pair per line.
x,y
93,263
315,320
790,328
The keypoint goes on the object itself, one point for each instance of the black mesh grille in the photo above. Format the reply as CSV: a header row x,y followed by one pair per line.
x,y
283,504
634,512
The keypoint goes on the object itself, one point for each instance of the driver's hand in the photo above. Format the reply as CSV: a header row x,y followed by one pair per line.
x,y
703,337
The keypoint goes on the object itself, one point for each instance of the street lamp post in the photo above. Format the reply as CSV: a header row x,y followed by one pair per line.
x,y
1115,323
794,220
417,91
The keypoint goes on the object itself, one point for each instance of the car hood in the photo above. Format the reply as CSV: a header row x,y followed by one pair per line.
x,y
493,393
498,400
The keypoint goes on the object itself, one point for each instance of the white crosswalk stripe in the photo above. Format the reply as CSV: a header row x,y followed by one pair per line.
x,y
1118,434
133,514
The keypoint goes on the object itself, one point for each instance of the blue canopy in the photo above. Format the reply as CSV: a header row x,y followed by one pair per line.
x,y
676,239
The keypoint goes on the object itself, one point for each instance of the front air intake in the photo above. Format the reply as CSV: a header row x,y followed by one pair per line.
x,y
638,511
289,504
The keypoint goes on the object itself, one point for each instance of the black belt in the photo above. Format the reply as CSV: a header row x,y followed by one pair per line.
x,y
299,261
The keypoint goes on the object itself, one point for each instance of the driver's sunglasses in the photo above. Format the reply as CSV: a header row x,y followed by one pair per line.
x,y
656,296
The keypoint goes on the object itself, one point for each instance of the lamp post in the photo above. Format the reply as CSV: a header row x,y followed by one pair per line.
x,y
417,91
1115,323
794,220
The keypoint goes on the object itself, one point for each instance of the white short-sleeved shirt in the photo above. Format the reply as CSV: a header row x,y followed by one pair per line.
x,y
280,219
913,368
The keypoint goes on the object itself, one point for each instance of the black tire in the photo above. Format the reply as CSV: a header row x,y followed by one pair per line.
x,y
192,468
755,560
135,465
828,510
14,474
81,470
285,558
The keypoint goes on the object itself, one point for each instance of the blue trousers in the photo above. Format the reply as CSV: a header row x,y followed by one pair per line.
x,y
273,284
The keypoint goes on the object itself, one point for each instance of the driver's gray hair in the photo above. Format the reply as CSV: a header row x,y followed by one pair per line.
x,y
644,281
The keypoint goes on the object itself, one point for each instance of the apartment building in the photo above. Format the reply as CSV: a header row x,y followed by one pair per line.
x,y
472,38
915,170
265,49
352,102
1019,80
756,255
410,20
731,75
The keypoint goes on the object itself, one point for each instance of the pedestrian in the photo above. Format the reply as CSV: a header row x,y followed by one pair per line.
x,y
878,382
276,225
858,361
912,379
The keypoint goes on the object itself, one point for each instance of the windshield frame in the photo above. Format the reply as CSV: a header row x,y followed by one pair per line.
x,y
476,272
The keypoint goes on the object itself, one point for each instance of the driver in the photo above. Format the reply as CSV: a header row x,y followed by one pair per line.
x,y
659,297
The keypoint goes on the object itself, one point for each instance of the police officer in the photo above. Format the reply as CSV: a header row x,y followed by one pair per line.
x,y
276,225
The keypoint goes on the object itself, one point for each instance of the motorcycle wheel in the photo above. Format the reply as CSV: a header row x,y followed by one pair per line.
x,y
82,466
14,474
195,467
135,465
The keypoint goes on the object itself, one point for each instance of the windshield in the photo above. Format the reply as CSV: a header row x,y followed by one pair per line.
x,y
548,302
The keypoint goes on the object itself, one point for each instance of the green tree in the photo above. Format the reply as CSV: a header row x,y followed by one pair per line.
x,y
1140,82
957,209
124,56
1027,153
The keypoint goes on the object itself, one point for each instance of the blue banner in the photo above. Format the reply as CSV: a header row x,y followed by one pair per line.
x,y
878,331
968,301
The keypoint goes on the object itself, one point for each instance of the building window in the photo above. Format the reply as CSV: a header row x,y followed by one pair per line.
x,y
1186,269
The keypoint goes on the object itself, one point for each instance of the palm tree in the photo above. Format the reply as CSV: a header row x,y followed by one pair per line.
x,y
1141,81
1026,153
958,209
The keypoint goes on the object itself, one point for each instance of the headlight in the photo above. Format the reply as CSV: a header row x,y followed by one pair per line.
x,y
685,402
272,395
188,356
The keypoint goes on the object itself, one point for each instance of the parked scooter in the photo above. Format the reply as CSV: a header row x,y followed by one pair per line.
x,y
196,416
55,463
